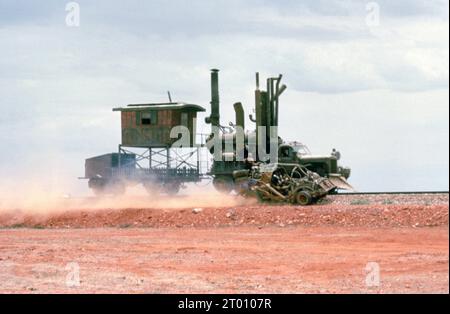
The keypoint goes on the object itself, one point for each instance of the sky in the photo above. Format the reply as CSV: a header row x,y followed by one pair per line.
x,y
369,78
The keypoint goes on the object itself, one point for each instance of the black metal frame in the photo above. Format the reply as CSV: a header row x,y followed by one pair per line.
x,y
164,163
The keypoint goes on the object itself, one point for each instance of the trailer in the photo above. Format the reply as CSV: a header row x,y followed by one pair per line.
x,y
152,151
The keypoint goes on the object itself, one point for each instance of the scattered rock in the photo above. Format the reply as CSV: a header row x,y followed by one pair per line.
x,y
407,211
197,210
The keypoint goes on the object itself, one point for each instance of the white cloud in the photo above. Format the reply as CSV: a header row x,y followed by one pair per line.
x,y
58,84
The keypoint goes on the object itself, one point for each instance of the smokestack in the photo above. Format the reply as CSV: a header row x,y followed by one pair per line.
x,y
214,118
239,110
269,110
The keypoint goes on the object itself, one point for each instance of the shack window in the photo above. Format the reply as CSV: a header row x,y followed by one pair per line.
x,y
149,118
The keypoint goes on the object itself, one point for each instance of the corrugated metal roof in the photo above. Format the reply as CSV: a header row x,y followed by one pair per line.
x,y
161,106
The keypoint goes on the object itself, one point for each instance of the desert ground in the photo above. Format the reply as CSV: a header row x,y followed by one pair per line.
x,y
346,244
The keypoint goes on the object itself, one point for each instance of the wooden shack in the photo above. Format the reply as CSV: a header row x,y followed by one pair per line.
x,y
149,125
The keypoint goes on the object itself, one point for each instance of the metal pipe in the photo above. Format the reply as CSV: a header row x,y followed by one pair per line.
x,y
272,101
239,111
259,114
214,118
269,111
275,191
280,90
257,117
277,92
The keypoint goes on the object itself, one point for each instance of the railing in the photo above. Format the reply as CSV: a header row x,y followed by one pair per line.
x,y
137,173
163,162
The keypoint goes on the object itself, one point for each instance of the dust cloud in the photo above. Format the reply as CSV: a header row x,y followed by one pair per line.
x,y
36,198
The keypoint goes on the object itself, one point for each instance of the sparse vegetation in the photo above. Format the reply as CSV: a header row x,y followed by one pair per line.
x,y
360,202
19,225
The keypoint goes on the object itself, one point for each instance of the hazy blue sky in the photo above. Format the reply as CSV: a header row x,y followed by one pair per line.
x,y
376,91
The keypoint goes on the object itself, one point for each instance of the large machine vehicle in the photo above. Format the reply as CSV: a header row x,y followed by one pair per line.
x,y
150,152
272,182
262,144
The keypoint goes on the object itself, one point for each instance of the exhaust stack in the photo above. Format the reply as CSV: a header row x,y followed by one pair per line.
x,y
267,108
214,118
239,111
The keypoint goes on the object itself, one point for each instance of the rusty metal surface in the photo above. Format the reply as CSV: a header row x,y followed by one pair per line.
x,y
161,106
155,131
272,182
341,182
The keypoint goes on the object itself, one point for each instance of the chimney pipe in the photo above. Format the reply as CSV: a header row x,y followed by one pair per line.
x,y
239,110
214,118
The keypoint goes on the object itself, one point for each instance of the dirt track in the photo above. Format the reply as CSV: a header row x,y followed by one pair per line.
x,y
255,249
225,260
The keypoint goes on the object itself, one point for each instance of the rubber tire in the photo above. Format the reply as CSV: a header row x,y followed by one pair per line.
x,y
116,188
153,189
98,191
303,198
223,184
172,188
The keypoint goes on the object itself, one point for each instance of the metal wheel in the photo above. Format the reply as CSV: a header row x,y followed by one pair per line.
x,y
303,198
153,189
171,188
223,184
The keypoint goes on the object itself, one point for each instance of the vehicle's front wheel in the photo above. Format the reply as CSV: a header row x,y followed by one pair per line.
x,y
303,198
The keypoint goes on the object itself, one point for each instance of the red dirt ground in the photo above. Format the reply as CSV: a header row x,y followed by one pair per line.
x,y
236,249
